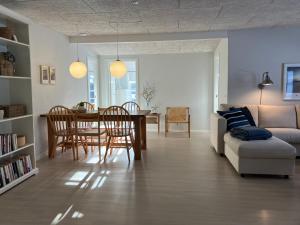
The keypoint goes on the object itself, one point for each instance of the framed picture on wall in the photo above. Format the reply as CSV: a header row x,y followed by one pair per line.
x,y
291,81
52,75
44,73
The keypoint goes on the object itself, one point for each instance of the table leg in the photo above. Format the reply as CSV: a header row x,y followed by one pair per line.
x,y
137,139
143,133
50,140
158,124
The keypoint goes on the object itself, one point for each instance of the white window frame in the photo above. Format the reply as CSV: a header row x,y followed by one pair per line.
x,y
106,62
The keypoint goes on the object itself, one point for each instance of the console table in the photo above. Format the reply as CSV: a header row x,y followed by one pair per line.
x,y
154,118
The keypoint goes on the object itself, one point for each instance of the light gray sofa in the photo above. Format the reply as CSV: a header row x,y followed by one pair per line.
x,y
273,156
282,121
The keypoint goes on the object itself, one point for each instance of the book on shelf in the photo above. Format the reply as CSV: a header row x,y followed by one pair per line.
x,y
12,170
8,143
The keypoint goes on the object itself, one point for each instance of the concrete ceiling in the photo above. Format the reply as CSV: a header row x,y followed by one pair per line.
x,y
99,17
154,47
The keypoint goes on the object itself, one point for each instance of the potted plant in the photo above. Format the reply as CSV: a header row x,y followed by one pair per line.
x,y
81,107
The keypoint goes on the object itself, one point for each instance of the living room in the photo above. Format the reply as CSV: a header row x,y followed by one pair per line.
x,y
145,91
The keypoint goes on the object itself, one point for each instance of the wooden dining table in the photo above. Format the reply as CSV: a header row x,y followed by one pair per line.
x,y
138,118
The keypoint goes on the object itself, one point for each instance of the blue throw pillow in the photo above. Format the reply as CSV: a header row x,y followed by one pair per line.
x,y
247,113
235,118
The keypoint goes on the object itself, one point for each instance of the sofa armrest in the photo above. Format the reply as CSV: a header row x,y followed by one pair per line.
x,y
218,127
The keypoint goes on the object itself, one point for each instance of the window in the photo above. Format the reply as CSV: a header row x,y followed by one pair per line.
x,y
124,89
92,80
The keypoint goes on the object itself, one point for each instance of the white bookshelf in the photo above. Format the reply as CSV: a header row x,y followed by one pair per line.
x,y
17,89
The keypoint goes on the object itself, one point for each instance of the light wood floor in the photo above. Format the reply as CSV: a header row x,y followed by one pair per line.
x,y
179,182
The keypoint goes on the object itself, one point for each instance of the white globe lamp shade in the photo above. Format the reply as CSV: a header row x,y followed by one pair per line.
x,y
78,69
118,69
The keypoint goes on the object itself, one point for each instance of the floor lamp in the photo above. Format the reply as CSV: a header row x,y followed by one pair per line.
x,y
265,81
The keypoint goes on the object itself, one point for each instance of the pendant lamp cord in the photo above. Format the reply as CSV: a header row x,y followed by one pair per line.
x,y
117,41
77,52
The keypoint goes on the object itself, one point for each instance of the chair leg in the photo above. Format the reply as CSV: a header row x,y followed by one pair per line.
x,y
84,145
127,146
73,147
107,147
54,147
99,148
189,127
63,144
166,128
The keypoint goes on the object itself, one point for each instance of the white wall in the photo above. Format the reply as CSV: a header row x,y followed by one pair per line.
x,y
53,49
180,80
254,51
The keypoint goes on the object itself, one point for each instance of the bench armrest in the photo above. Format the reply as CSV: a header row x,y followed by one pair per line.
x,y
218,127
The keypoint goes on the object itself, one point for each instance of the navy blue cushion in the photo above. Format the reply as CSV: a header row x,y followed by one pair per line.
x,y
235,118
247,113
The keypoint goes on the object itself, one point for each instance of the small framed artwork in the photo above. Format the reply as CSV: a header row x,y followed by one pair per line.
x,y
291,81
52,75
44,71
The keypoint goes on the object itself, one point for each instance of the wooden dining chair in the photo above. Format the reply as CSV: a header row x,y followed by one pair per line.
x,y
117,123
91,136
131,106
87,125
63,125
178,115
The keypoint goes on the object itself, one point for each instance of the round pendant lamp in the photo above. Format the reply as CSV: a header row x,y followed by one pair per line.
x,y
77,68
118,68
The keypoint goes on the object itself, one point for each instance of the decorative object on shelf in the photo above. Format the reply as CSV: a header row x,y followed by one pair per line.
x,y
52,75
78,69
1,114
148,93
44,72
7,62
118,68
6,32
13,110
21,140
291,81
154,109
81,107
266,81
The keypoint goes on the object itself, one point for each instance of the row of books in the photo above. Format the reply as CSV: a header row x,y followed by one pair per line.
x,y
8,143
11,171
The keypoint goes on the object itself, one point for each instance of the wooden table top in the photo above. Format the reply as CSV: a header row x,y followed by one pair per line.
x,y
93,113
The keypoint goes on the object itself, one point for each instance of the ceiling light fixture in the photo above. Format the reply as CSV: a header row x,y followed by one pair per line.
x,y
78,69
118,68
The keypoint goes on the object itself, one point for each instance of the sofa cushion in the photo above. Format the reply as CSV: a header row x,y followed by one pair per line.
x,y
277,116
298,115
290,135
273,148
252,108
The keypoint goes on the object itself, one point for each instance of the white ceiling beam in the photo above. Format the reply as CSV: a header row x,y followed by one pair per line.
x,y
149,37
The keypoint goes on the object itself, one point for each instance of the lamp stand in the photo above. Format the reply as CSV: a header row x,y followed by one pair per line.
x,y
260,97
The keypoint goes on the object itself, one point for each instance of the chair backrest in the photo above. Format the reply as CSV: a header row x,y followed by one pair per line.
x,y
117,121
88,106
61,119
131,106
178,114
